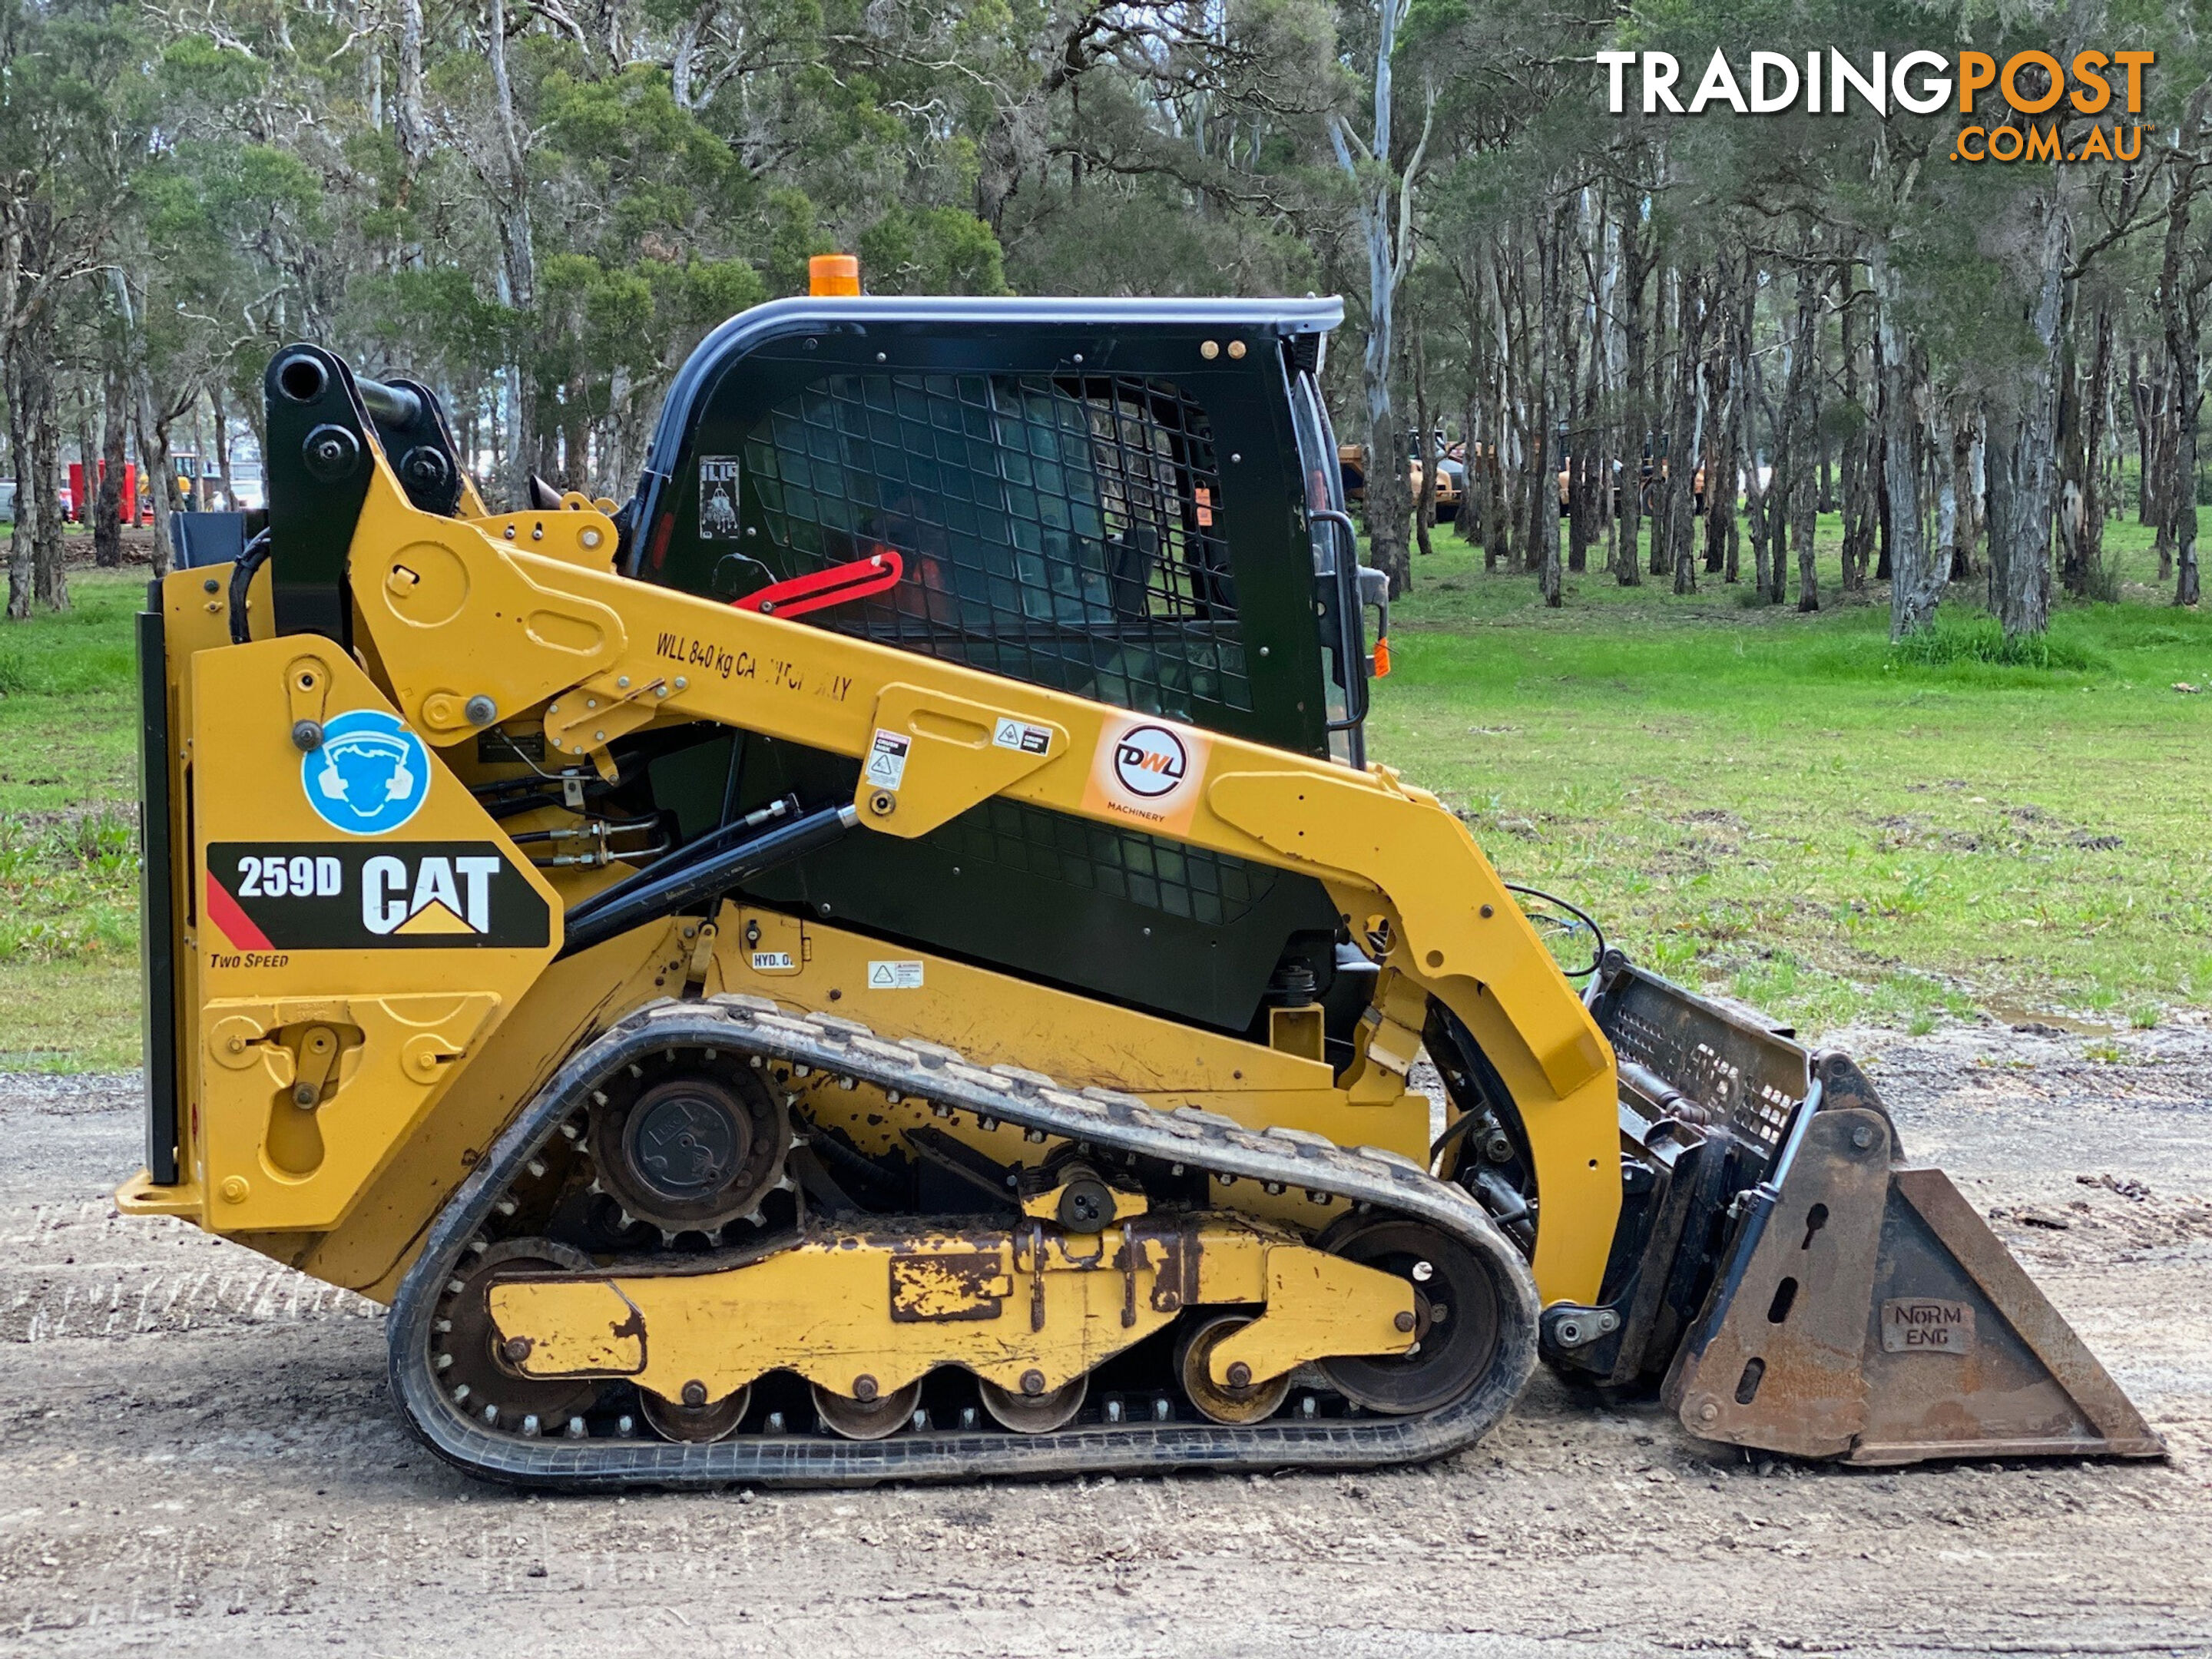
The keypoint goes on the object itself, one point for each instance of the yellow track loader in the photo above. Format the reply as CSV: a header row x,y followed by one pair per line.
x,y
885,956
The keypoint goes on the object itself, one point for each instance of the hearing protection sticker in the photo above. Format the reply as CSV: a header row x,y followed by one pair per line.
x,y
1148,772
337,896
718,498
369,775
887,759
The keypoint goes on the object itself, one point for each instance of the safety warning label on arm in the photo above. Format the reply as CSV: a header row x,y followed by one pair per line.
x,y
895,976
887,759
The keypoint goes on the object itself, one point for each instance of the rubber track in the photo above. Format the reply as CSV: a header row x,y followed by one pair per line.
x,y
926,1071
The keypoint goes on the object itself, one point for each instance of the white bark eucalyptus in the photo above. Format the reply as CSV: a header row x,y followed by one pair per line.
x,y
1383,205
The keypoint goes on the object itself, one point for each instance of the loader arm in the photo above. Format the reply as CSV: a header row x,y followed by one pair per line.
x,y
466,614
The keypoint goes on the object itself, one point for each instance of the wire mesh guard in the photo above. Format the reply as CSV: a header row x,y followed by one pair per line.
x,y
1060,530
1212,889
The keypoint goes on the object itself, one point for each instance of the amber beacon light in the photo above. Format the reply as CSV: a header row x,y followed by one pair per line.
x,y
833,274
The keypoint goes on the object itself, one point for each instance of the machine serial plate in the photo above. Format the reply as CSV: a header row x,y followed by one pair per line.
x,y
948,1284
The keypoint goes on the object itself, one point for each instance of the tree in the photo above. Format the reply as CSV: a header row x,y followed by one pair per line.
x,y
1383,195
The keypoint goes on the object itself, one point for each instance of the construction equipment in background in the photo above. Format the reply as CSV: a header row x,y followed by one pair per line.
x,y
885,955
1452,475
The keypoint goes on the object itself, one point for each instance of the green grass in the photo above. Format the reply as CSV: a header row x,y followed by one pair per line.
x,y
68,862
1775,805
1785,808
70,1016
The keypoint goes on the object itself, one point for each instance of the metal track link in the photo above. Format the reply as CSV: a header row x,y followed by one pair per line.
x,y
1098,1118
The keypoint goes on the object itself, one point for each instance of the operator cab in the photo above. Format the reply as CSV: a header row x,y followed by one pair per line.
x,y
1132,500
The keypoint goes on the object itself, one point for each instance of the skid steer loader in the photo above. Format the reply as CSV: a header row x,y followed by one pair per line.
x,y
885,956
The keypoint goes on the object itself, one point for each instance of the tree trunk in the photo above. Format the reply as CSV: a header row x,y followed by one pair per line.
x,y
221,429
2020,539
409,125
1635,277
80,507
1914,587
1862,452
2096,403
161,478
2178,305
2071,501
1803,416
518,256
1966,495
1942,445
1685,437
36,376
1722,452
107,494
1499,550
1389,503
1430,451
1389,259
23,575
1557,390
1663,408
1759,492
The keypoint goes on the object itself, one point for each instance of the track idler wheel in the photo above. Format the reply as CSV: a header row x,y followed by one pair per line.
x,y
1033,1414
876,1417
1223,1402
1455,1314
700,1422
475,1377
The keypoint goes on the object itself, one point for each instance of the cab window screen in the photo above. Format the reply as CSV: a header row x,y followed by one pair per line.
x,y
1059,530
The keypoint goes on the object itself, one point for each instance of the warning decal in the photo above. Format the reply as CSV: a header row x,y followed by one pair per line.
x,y
1010,733
895,976
718,498
887,760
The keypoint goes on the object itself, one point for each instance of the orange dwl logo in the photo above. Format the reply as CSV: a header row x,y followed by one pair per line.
x,y
1148,771
1151,761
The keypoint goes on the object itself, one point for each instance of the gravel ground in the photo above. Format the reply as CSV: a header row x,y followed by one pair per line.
x,y
197,1451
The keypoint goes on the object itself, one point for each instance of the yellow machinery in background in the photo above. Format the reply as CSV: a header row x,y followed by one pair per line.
x,y
885,956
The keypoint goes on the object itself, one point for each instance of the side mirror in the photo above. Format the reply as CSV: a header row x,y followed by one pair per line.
x,y
1375,590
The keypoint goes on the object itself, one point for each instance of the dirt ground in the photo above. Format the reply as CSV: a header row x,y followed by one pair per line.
x,y
197,1451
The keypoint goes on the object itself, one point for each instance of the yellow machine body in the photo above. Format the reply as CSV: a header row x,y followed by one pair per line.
x,y
590,656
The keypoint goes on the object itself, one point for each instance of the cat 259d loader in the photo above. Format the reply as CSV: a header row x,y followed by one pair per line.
x,y
885,956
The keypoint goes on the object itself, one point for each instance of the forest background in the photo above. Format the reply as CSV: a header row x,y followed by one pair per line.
x,y
540,205
1903,726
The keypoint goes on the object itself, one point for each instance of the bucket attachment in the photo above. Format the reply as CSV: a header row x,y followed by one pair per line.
x,y
1847,1306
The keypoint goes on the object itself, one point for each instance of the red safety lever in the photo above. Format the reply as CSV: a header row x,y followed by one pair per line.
x,y
818,589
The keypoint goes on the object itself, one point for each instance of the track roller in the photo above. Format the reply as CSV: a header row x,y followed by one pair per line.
x,y
1223,1402
876,1417
701,1422
1033,1414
